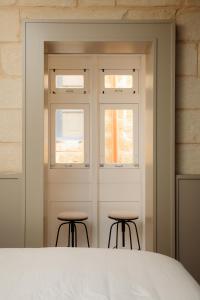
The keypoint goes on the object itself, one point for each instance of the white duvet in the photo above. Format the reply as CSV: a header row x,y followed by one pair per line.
x,y
92,274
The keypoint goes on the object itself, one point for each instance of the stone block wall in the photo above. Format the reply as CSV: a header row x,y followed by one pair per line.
x,y
186,14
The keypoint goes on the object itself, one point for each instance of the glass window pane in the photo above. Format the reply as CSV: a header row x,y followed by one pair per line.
x,y
119,136
118,81
69,81
69,136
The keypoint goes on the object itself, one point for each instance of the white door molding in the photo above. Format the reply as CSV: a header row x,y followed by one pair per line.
x,y
161,38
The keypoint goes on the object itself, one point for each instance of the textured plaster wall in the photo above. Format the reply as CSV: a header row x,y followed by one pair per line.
x,y
186,13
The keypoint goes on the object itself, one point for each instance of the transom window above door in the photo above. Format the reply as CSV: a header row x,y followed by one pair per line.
x,y
119,82
69,81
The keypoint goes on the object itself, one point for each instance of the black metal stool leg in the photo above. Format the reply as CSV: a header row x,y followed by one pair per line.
x,y
75,230
110,233
58,232
123,234
130,235
72,232
117,237
86,231
69,231
138,241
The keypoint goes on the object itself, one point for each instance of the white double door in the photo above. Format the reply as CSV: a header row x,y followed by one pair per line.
x,y
95,153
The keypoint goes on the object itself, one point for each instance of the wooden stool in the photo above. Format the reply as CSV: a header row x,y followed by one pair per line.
x,y
123,218
72,218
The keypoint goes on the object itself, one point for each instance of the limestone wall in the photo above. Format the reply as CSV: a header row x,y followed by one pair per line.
x,y
187,16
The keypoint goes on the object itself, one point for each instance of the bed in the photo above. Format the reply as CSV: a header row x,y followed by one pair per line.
x,y
92,274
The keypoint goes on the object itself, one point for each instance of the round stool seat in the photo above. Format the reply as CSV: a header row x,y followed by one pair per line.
x,y
72,216
122,215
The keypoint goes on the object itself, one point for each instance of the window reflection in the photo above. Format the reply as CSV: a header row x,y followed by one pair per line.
x,y
119,136
69,136
118,81
69,81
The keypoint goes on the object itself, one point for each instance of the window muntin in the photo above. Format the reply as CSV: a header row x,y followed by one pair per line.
x,y
114,81
69,142
69,81
69,133
119,135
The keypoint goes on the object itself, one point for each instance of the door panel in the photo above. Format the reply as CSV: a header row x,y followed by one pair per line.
x,y
69,192
69,176
123,192
120,176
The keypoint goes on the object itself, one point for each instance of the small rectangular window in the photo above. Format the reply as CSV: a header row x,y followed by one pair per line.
x,y
118,81
119,135
69,137
69,81
118,84
69,131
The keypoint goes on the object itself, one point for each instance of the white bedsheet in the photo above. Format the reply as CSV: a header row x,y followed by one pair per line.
x,y
92,274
